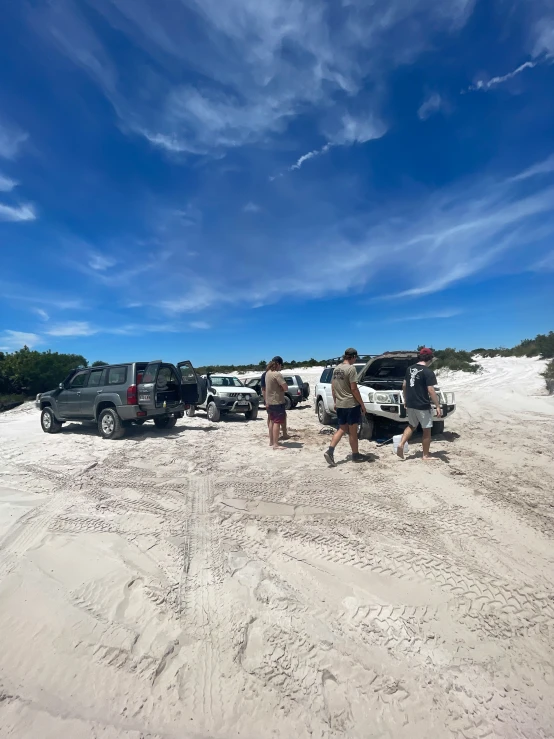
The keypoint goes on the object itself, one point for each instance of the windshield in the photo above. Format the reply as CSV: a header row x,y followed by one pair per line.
x,y
225,381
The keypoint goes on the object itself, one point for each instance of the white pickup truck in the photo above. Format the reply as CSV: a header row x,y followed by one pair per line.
x,y
380,380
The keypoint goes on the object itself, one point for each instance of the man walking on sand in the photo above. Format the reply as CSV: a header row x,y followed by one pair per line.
x,y
284,433
419,391
275,387
349,406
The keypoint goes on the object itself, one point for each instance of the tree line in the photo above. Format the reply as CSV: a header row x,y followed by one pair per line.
x,y
28,372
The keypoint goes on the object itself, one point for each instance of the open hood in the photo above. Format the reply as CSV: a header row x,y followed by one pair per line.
x,y
388,366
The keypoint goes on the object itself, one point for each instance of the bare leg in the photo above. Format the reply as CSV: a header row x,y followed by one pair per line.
x,y
406,436
284,432
337,436
270,429
275,429
353,437
426,446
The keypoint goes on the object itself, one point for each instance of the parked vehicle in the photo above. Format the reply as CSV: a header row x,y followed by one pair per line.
x,y
227,394
116,396
297,390
380,381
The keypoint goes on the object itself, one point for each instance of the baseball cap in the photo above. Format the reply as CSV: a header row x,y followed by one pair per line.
x,y
278,359
425,352
350,352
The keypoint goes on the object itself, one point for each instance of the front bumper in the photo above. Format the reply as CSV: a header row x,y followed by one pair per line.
x,y
236,405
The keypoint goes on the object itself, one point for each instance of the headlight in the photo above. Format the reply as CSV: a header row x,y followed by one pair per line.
x,y
384,398
369,398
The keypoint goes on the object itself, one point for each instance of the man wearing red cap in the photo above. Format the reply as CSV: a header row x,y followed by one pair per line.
x,y
419,391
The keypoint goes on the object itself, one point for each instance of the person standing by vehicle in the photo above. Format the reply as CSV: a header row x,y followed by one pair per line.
x,y
284,433
274,395
419,391
349,406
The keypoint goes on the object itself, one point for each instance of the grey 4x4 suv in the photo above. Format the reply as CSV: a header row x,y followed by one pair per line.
x,y
115,396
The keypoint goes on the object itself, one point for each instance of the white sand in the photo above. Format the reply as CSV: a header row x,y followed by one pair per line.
x,y
192,583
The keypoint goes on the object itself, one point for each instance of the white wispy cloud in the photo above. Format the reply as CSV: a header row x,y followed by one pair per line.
x,y
7,184
17,213
101,262
545,264
541,168
501,79
13,340
41,313
200,325
432,104
431,315
310,155
72,328
11,140
249,90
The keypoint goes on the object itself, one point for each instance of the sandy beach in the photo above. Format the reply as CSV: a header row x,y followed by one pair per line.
x,y
193,583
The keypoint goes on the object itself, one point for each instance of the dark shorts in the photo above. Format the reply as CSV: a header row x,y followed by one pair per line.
x,y
277,413
349,416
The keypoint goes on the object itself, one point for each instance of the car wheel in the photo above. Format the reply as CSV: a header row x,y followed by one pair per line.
x,y
49,422
288,403
322,414
438,428
213,412
191,412
109,424
166,422
252,415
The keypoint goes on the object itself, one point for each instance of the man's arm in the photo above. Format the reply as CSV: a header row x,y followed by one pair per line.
x,y
404,390
435,399
357,396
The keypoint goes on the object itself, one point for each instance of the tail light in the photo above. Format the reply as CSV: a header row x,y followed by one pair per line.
x,y
132,398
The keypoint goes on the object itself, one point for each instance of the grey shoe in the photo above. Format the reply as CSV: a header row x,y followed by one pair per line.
x,y
358,458
330,458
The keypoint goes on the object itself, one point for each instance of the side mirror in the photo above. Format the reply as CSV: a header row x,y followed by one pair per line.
x,y
61,385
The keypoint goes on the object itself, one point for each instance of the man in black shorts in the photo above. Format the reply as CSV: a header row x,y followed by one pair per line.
x,y
349,406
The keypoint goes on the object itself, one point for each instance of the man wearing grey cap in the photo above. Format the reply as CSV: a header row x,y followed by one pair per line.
x,y
349,406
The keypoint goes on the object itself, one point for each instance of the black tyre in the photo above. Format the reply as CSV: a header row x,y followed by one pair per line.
x,y
191,412
288,402
252,415
109,424
49,422
438,428
322,414
214,414
165,422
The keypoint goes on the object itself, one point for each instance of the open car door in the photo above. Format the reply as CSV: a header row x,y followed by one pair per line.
x,y
193,388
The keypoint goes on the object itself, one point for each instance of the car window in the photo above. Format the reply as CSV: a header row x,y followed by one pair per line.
x,y
289,381
116,375
327,375
79,379
225,381
150,372
95,378
165,377
251,383
188,376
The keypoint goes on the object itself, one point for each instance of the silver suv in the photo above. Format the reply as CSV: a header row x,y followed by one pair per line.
x,y
116,396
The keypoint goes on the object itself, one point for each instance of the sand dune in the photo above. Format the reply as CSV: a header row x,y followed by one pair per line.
x,y
192,583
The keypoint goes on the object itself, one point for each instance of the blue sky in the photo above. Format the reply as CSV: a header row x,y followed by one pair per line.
x,y
226,180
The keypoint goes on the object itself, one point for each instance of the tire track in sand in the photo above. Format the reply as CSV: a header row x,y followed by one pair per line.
x,y
203,610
